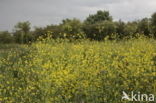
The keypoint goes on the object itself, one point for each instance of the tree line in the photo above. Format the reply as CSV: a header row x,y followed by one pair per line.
x,y
95,27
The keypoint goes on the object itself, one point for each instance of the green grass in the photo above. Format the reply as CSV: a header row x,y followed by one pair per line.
x,y
5,48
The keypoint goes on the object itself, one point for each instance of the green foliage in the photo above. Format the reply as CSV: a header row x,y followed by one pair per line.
x,y
56,30
6,37
98,17
38,32
95,27
68,29
22,32
120,28
130,28
77,72
153,23
99,25
6,48
144,27
72,28
100,30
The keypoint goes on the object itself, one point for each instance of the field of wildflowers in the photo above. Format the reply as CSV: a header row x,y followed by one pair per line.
x,y
83,71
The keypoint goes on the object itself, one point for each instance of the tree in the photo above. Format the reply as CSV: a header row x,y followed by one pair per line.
x,y
153,24
22,32
99,31
72,28
38,31
55,30
144,27
120,28
131,28
99,25
98,17
6,37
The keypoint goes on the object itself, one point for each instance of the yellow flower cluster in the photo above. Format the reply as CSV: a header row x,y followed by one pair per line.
x,y
77,72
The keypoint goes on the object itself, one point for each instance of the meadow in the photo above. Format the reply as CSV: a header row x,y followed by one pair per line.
x,y
84,71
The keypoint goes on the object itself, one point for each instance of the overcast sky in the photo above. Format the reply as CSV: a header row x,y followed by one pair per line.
x,y
46,12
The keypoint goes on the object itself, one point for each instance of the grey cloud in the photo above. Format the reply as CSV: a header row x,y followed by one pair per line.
x,y
45,12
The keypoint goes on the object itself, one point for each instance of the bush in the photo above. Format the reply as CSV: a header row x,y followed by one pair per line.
x,y
6,37
100,30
